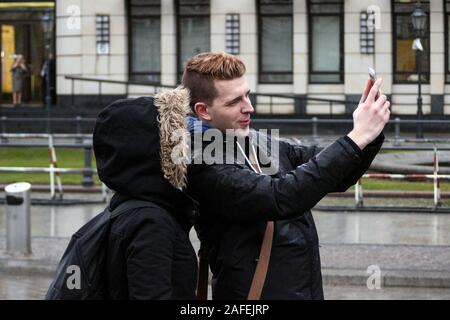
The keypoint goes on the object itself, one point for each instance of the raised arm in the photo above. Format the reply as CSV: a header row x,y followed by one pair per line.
x,y
235,193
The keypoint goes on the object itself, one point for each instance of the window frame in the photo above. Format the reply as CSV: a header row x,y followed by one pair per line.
x,y
130,46
394,47
341,71
260,71
178,16
446,40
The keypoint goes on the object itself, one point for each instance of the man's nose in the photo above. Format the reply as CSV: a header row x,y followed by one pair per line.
x,y
248,108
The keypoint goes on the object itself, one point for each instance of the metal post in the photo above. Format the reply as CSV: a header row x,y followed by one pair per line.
x,y
314,127
52,181
54,164
48,98
18,229
79,138
359,201
397,131
419,133
436,187
3,120
87,176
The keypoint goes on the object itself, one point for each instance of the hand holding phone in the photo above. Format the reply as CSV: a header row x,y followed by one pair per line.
x,y
372,113
373,78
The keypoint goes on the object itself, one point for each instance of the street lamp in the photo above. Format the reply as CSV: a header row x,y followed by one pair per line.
x,y
47,26
419,21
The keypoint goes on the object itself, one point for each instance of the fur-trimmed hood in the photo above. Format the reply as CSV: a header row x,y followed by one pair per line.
x,y
136,151
173,107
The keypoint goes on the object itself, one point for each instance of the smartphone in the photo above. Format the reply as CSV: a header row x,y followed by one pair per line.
x,y
373,78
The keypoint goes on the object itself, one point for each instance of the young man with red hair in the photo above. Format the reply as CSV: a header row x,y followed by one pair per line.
x,y
238,206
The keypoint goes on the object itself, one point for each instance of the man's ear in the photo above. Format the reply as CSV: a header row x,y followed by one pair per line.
x,y
201,109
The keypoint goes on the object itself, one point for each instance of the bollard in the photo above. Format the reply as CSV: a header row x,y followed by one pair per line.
x,y
18,229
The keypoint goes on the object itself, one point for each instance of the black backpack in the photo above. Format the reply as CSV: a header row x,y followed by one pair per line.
x,y
81,272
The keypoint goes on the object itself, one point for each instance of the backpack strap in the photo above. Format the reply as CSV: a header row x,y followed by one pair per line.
x,y
129,205
203,273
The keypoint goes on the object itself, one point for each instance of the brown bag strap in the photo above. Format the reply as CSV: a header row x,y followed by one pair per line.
x,y
262,266
203,273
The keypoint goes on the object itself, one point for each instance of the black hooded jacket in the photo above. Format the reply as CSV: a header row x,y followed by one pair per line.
x,y
236,203
149,253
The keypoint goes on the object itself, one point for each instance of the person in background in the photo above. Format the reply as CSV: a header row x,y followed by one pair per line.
x,y
19,71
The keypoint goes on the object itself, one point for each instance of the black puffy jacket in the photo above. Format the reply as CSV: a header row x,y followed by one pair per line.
x,y
236,203
149,254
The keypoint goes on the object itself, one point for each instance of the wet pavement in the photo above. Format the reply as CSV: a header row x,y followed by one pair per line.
x,y
333,227
14,287
411,250
383,228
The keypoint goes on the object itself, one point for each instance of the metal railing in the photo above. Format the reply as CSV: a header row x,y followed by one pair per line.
x,y
296,100
78,121
88,171
314,122
100,83
435,177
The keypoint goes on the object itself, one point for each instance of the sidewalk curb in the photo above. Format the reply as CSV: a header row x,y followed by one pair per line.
x,y
389,278
334,277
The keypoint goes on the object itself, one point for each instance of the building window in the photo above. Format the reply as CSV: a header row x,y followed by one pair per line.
x,y
193,30
275,41
326,41
102,34
406,58
144,42
447,41
232,33
367,32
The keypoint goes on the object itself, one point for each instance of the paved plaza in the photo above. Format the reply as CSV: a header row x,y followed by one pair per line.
x,y
411,252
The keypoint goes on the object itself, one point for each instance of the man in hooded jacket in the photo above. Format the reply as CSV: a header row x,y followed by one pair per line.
x,y
149,254
237,204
